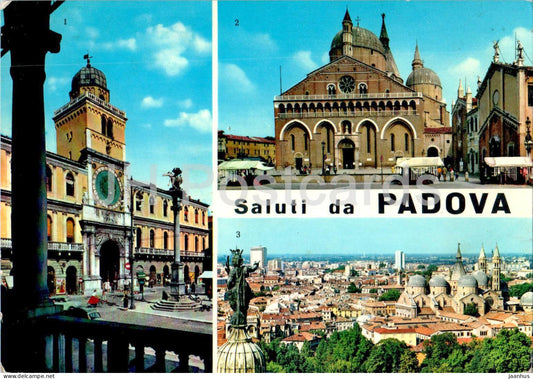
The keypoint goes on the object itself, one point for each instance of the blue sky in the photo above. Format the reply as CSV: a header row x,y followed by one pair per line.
x,y
156,56
454,37
306,237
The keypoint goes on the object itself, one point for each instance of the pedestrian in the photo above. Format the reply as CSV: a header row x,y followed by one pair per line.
x,y
452,175
126,300
444,172
439,172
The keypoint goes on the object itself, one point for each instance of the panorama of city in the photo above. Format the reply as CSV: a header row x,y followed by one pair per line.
x,y
386,313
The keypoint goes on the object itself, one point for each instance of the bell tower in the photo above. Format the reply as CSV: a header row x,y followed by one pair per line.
x,y
88,122
347,36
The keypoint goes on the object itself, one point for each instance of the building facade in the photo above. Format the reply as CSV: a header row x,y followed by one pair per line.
x,y
231,146
356,111
96,213
465,127
505,104
259,254
399,260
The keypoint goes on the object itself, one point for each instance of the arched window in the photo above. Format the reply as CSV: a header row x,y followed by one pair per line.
x,y
70,230
69,183
203,218
109,129
293,141
186,242
363,89
196,216
48,179
196,245
138,201
331,89
165,240
138,237
186,213
406,137
165,208
104,123
152,238
49,227
392,147
152,204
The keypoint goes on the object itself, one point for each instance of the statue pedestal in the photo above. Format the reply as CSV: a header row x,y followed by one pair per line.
x,y
177,283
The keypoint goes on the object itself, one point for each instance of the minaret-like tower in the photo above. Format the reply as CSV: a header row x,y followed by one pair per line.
x,y
482,260
347,36
458,270
384,37
417,61
496,269
460,90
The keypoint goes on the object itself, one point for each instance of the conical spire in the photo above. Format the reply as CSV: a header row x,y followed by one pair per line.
x,y
384,37
496,252
417,61
458,256
482,252
347,17
460,90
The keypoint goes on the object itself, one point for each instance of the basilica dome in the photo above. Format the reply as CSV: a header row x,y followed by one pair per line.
x,y
467,281
527,299
417,281
361,38
239,355
482,278
438,281
88,76
423,75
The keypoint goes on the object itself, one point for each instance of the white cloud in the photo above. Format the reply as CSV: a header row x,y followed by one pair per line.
x,y
325,57
129,44
53,83
470,67
150,102
187,103
172,43
122,44
303,58
234,75
200,121
92,33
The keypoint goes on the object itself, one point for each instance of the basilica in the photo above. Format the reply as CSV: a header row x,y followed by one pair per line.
x,y
356,111
456,290
98,216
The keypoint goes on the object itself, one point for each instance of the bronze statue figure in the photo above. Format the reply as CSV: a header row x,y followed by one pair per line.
x,y
239,292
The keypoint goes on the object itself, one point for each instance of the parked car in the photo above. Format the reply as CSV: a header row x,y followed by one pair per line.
x,y
86,313
65,302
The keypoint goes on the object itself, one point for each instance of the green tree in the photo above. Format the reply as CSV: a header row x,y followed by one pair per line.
x,y
508,352
420,267
520,289
408,362
471,309
390,295
437,350
386,356
352,288
373,290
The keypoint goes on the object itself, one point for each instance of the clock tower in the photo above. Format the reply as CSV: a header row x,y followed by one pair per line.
x,y
91,131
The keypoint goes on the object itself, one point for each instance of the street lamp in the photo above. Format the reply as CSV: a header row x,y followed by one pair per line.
x,y
528,142
323,158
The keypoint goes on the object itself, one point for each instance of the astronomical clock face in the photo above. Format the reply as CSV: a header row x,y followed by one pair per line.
x,y
107,187
347,84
